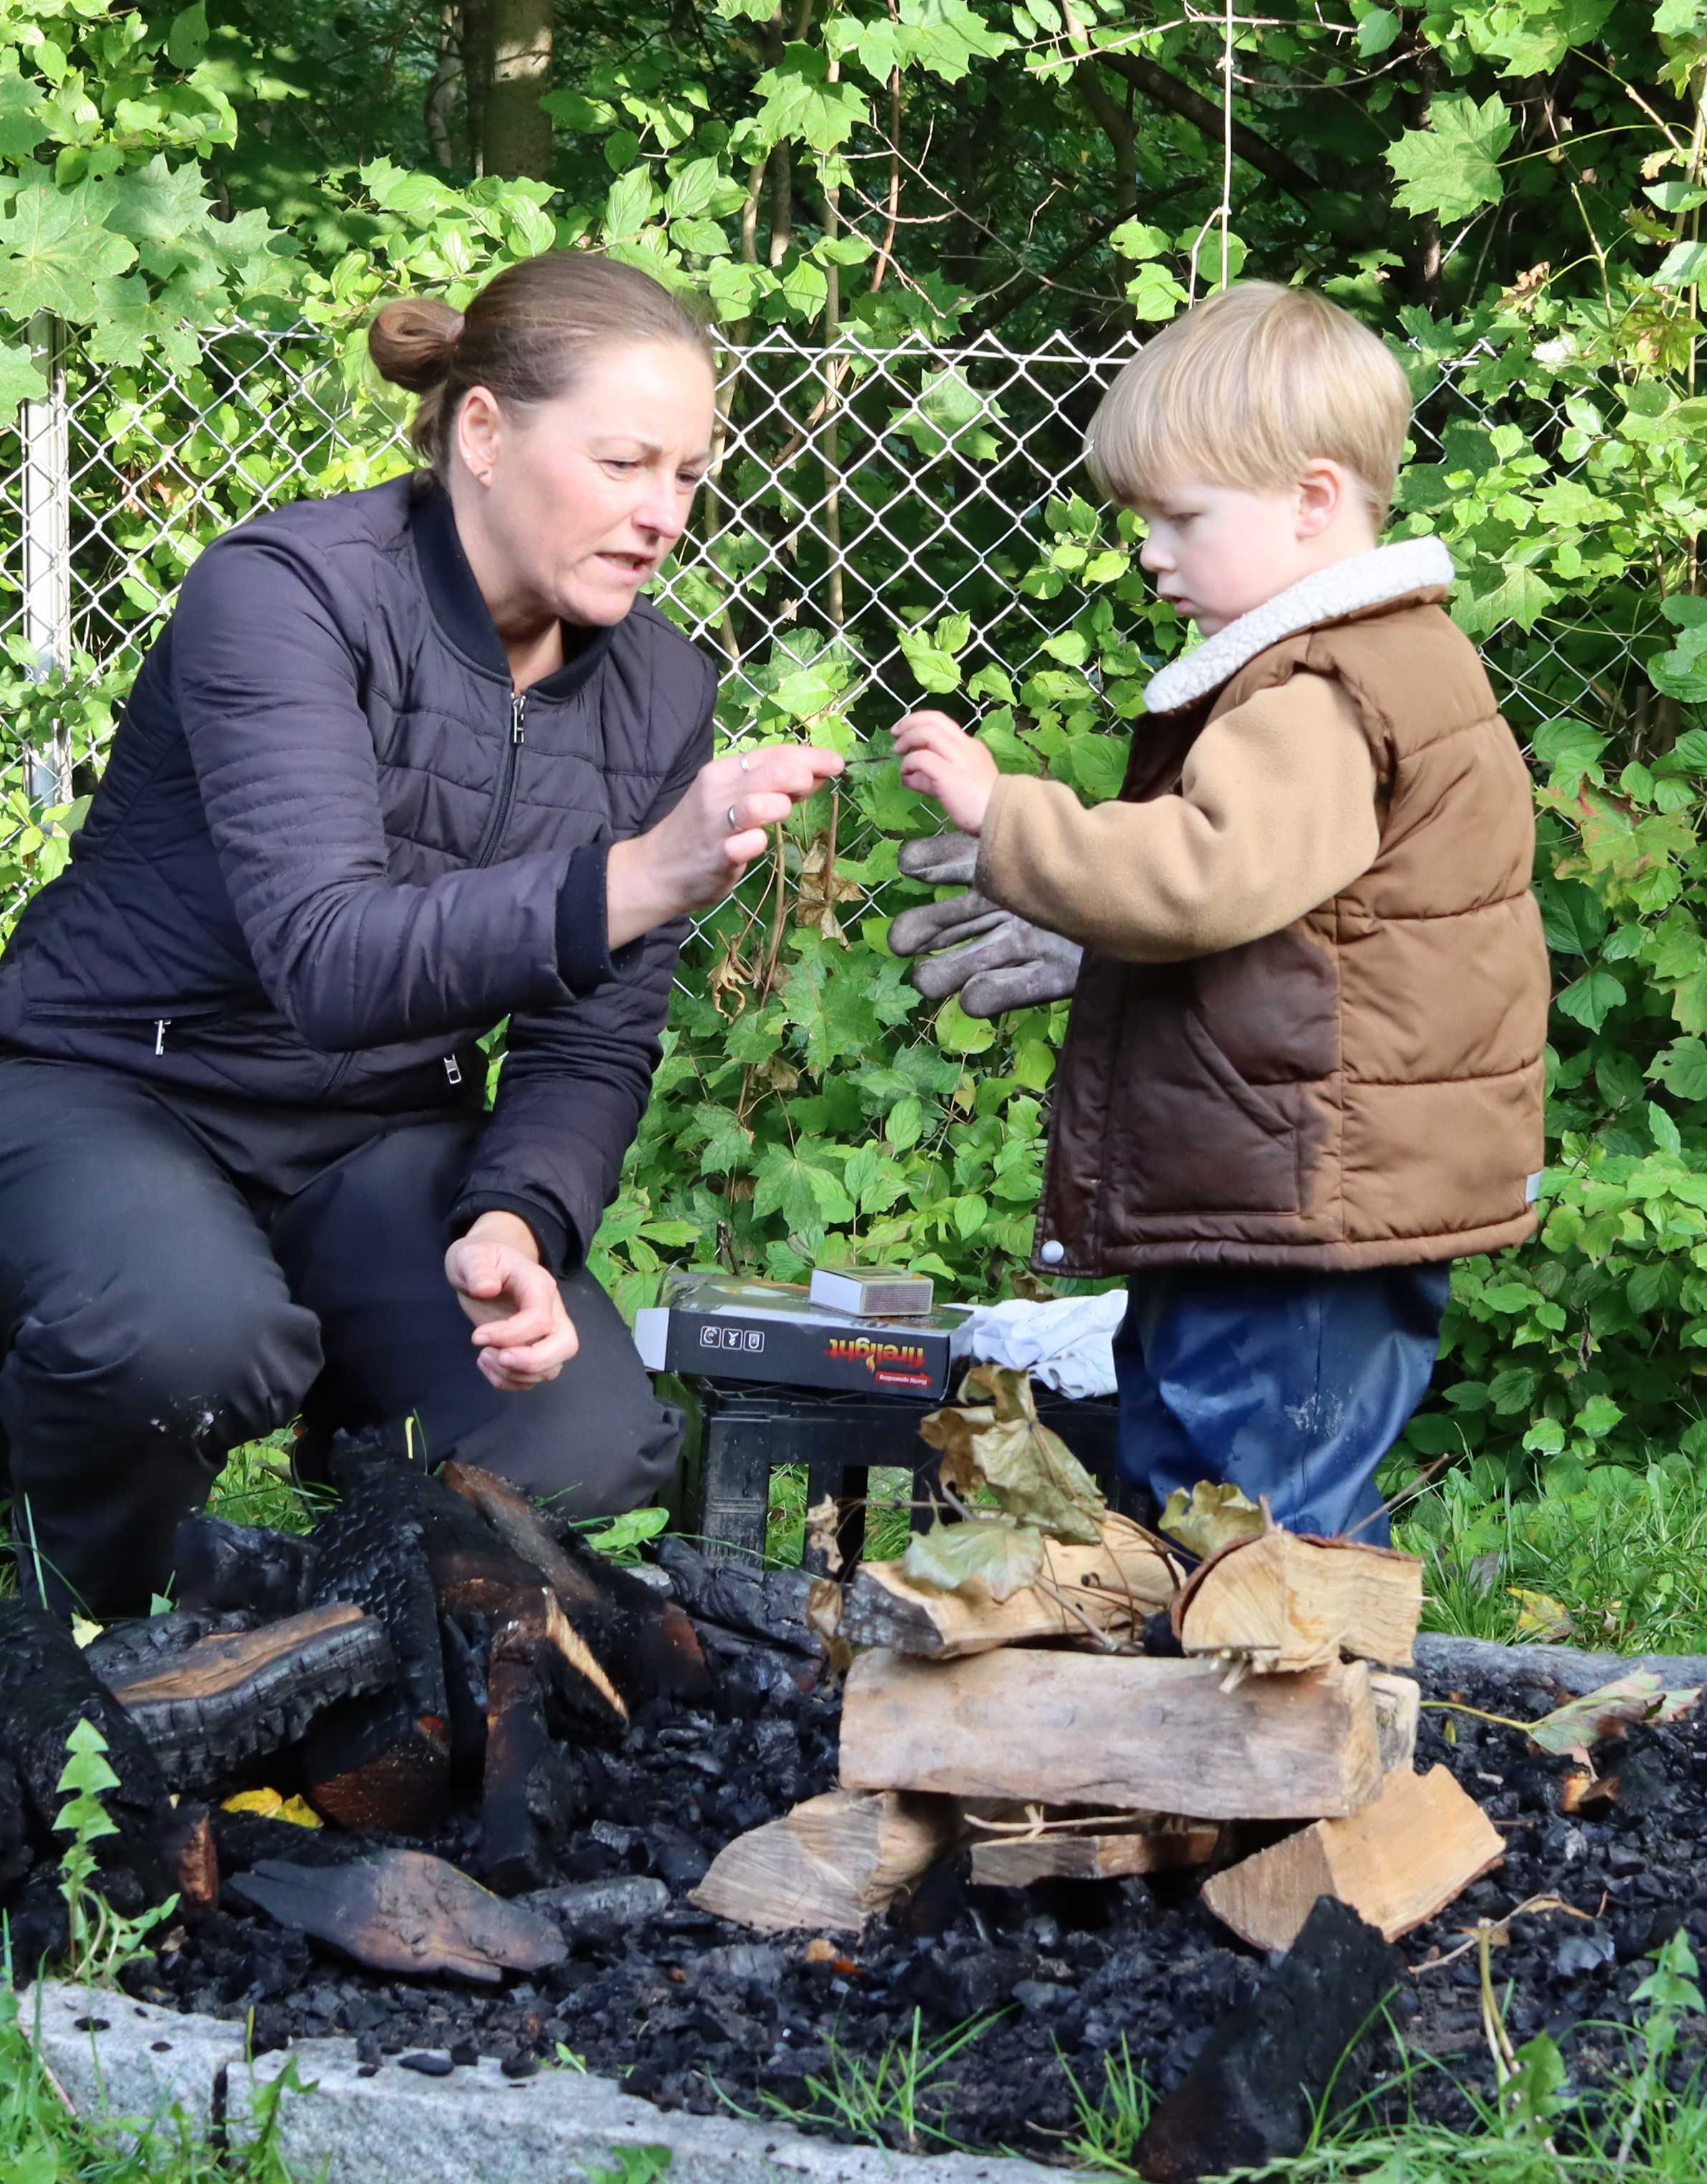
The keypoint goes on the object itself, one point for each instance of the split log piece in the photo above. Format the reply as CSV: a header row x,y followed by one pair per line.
x,y
404,1911
142,1643
832,1862
1111,1588
644,1641
1398,1716
45,1689
1098,1850
223,1567
538,1665
1399,1861
766,1605
225,1700
1131,1733
1299,2049
383,1761
1289,1602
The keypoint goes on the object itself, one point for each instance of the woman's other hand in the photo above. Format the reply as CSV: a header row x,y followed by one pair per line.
x,y
522,1332
939,760
692,859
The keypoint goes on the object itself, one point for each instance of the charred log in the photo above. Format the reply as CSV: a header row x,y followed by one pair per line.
x,y
231,1699
768,1605
645,1643
194,1856
145,1643
224,1568
402,1911
45,1689
538,1668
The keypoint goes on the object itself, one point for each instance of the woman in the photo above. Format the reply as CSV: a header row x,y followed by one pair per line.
x,y
402,763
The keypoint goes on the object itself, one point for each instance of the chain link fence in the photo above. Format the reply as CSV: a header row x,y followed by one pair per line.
x,y
862,500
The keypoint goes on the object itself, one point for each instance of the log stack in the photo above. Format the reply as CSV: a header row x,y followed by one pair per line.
x,y
1073,1732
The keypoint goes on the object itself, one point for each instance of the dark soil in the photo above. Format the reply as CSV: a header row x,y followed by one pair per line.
x,y
690,2012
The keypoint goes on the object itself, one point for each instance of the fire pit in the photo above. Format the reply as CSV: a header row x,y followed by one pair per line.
x,y
472,1698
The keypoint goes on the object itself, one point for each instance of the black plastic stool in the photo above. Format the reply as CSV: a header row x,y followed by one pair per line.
x,y
747,1432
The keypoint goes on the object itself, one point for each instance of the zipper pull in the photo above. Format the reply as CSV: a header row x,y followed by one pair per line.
x,y
518,707
453,1069
160,1025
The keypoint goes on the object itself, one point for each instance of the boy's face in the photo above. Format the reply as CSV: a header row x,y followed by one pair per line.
x,y
1216,551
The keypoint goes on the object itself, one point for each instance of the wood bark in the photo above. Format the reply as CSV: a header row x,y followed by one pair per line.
x,y
515,129
1108,1588
1152,1845
1136,1735
1290,1604
403,1911
225,1700
1396,1862
830,1863
1398,1716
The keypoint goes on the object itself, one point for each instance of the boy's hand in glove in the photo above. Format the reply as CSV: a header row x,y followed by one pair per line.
x,y
995,959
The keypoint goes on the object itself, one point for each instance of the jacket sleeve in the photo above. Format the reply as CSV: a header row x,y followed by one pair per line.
x,y
575,1078
1276,814
267,687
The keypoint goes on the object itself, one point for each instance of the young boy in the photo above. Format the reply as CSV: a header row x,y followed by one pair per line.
x,y
1303,1067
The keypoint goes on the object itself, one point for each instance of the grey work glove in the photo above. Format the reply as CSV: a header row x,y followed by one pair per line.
x,y
991,957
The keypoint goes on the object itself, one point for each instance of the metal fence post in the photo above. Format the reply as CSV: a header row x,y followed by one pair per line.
x,y
44,429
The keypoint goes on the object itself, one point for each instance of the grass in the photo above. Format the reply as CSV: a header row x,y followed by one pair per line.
x,y
887,1514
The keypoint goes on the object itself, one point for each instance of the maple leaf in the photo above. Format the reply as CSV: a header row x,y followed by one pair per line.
x,y
800,101
976,1556
21,382
1002,1445
1451,168
1212,1516
54,248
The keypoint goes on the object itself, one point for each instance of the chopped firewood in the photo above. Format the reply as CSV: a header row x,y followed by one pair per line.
x,y
223,1567
644,1639
768,1605
831,1862
1286,1603
403,1911
1136,1734
141,1644
1007,1854
225,1700
1398,1715
537,1663
381,1762
45,1689
194,1856
1091,1592
1399,1861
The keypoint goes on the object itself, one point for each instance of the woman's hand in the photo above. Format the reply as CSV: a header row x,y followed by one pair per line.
x,y
523,1335
692,859
939,760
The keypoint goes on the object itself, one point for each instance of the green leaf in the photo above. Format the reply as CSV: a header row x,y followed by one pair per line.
x,y
945,36
1590,1000
22,123
975,1556
799,101
1682,265
1665,1130
1450,167
629,204
1682,1068
187,39
20,381
806,1195
53,248
932,669
956,1033
1598,1416
692,188
1376,31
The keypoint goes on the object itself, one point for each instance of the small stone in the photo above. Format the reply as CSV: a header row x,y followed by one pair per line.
x,y
1584,1953
521,2066
1041,1994
428,2066
465,2055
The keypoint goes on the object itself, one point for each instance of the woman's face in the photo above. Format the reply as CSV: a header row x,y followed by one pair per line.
x,y
580,498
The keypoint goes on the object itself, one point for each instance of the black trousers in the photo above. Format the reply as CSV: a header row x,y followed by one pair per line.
x,y
178,1277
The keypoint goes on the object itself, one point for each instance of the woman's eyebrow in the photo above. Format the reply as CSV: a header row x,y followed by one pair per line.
x,y
644,446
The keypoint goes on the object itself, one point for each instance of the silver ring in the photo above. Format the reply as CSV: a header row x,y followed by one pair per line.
x,y
735,823
744,762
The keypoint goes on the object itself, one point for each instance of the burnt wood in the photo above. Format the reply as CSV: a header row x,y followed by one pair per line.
x,y
403,1911
223,1567
769,1605
46,1688
194,1856
208,1711
537,1668
143,1643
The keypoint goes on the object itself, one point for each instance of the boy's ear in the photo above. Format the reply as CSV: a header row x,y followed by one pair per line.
x,y
1325,489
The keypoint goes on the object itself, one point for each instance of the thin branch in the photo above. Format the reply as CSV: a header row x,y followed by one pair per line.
x,y
1177,96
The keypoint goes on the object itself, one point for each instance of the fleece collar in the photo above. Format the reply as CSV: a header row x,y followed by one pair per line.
x,y
1379,578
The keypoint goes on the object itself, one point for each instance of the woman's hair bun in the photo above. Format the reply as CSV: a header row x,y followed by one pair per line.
x,y
412,340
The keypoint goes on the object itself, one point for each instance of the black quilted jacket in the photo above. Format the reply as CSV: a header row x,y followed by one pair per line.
x,y
327,852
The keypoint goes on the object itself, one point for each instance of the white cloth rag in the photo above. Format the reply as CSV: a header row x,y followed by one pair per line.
x,y
1068,1343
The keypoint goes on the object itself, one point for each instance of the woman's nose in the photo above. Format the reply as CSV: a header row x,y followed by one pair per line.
x,y
664,511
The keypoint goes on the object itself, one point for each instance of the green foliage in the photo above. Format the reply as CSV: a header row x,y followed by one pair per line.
x,y
102,1942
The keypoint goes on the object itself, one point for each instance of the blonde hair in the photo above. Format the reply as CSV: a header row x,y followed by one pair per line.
x,y
1246,389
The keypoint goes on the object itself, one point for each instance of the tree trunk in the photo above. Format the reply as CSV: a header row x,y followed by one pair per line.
x,y
516,131
476,39
441,93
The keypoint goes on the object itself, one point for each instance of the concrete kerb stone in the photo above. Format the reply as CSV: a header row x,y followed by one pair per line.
x,y
129,2062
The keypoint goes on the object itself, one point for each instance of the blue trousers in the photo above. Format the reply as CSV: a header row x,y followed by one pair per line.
x,y
1291,1386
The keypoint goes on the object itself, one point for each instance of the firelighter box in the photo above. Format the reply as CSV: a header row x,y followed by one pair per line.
x,y
719,1327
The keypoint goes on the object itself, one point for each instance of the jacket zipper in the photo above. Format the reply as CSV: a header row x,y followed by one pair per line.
x,y
504,794
503,801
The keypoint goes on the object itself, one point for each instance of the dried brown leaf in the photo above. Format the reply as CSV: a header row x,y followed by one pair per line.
x,y
979,1555
1000,1444
1212,1516
1571,1729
